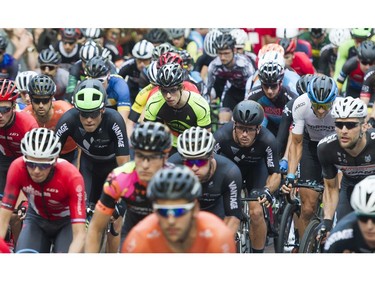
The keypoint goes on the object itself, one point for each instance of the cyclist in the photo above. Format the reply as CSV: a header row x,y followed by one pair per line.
x,y
254,149
180,40
271,94
118,95
157,36
100,133
8,64
55,191
352,151
49,61
356,231
132,68
178,225
354,69
220,178
22,80
151,142
367,93
312,121
48,111
173,105
13,126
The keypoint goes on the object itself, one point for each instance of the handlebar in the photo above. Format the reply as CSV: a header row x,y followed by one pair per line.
x,y
313,185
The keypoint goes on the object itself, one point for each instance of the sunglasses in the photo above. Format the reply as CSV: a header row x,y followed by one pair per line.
x,y
38,101
50,67
41,165
325,106
243,129
272,86
91,114
165,91
69,43
364,218
5,109
149,158
367,62
197,162
173,210
348,125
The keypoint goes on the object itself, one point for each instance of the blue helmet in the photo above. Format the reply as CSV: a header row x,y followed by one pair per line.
x,y
322,89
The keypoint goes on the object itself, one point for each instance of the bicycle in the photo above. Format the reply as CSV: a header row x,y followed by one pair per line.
x,y
288,239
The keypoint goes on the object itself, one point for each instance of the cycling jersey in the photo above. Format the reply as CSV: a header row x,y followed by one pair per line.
x,y
368,85
327,60
302,64
61,195
221,194
212,236
316,46
118,94
351,70
346,237
8,67
66,58
59,108
196,112
4,248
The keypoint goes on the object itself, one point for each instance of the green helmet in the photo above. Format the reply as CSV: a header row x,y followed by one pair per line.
x,y
89,95
361,33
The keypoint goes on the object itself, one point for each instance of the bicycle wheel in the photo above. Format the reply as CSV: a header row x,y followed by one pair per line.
x,y
243,242
308,242
288,235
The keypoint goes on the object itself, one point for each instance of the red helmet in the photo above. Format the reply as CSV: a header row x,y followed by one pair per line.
x,y
8,90
289,45
169,57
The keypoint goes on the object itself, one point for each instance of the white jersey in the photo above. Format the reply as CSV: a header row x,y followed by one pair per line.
x,y
305,119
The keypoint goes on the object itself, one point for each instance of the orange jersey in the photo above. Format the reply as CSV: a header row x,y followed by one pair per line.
x,y
59,107
213,236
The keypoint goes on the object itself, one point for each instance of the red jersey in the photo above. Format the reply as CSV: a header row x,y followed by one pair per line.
x,y
213,236
11,135
302,64
61,196
4,249
59,108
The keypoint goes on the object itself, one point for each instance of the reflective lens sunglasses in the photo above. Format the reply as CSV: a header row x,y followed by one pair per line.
x,y
243,129
91,114
364,218
50,67
173,210
348,125
197,162
5,109
325,106
41,165
40,100
272,86
165,91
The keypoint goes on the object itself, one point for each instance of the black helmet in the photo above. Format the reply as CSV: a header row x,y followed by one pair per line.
x,y
303,82
317,32
224,41
271,72
3,42
366,51
248,112
151,136
157,35
174,183
48,56
96,67
169,75
70,34
41,85
322,89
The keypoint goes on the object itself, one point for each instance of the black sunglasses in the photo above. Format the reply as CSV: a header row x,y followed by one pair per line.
x,y
367,62
364,218
348,125
40,100
272,86
91,114
68,43
5,109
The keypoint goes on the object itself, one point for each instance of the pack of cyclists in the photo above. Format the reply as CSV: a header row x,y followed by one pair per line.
x,y
132,135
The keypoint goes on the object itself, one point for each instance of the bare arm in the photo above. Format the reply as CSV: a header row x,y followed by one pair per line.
x,y
330,197
128,123
121,160
97,225
233,223
5,216
295,153
79,234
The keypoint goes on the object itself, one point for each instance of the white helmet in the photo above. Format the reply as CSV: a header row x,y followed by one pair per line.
x,y
93,33
271,56
208,43
240,36
143,50
337,36
363,196
152,71
88,51
195,142
23,79
287,32
161,49
349,108
41,143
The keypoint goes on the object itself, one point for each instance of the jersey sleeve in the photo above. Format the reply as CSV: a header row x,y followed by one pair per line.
x,y
118,134
77,204
329,170
13,185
